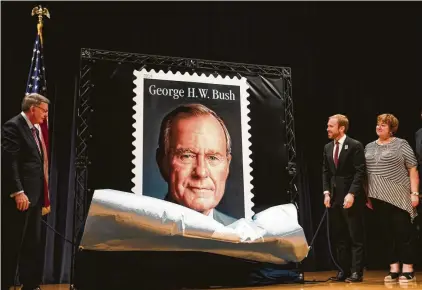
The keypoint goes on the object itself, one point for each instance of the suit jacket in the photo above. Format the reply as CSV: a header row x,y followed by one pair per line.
x,y
349,175
22,162
223,218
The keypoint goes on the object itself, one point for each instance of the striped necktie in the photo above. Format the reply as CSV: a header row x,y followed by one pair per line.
x,y
37,140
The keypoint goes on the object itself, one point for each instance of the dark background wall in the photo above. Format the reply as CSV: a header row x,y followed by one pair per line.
x,y
359,59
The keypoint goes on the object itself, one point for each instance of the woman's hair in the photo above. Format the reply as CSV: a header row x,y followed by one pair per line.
x,y
390,120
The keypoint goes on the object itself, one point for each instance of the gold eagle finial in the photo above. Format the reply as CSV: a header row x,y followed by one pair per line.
x,y
40,11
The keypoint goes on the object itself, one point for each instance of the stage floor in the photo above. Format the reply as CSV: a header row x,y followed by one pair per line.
x,y
373,280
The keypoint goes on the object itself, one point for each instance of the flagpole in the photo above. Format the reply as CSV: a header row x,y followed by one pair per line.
x,y
41,12
39,73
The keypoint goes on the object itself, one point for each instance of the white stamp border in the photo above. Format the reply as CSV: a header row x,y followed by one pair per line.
x,y
245,127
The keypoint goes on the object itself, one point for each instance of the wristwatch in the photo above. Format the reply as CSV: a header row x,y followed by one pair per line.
x,y
415,193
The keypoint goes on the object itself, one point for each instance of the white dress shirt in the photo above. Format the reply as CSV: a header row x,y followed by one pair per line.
x,y
340,147
211,214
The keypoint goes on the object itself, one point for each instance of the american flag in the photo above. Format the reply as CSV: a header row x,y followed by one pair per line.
x,y
37,83
36,79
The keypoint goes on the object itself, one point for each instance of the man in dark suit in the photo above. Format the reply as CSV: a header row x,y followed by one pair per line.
x,y
193,155
22,194
343,174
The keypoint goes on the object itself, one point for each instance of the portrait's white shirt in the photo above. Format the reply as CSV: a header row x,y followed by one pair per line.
x,y
211,214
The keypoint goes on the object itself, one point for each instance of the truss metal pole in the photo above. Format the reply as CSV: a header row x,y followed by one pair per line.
x,y
83,135
290,139
167,62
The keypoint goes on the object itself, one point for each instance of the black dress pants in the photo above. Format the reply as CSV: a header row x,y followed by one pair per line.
x,y
21,243
347,237
399,232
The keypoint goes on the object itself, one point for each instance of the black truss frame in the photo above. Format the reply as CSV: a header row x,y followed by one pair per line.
x,y
84,110
83,114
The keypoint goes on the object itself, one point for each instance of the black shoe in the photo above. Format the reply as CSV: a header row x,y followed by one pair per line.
x,y
341,276
407,277
355,277
392,277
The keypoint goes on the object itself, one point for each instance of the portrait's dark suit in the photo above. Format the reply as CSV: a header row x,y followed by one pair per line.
x,y
347,233
22,170
217,215
223,218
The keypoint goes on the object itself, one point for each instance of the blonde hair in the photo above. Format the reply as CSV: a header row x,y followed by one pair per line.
x,y
342,121
390,120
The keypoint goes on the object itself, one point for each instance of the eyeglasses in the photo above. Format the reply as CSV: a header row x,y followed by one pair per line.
x,y
44,110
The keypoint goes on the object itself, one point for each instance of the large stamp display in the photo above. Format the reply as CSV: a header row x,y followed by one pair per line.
x,y
192,143
192,177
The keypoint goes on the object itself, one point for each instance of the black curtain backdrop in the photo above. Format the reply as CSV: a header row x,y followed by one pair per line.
x,y
356,58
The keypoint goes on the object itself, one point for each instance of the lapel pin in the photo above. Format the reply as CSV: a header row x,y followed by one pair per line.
x,y
346,146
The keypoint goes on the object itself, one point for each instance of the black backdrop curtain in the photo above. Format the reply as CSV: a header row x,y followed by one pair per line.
x,y
58,251
305,208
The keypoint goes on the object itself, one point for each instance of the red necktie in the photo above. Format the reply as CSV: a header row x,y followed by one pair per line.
x,y
336,154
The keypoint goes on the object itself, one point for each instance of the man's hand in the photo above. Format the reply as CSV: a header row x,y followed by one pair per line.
x,y
327,200
22,201
349,199
415,200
